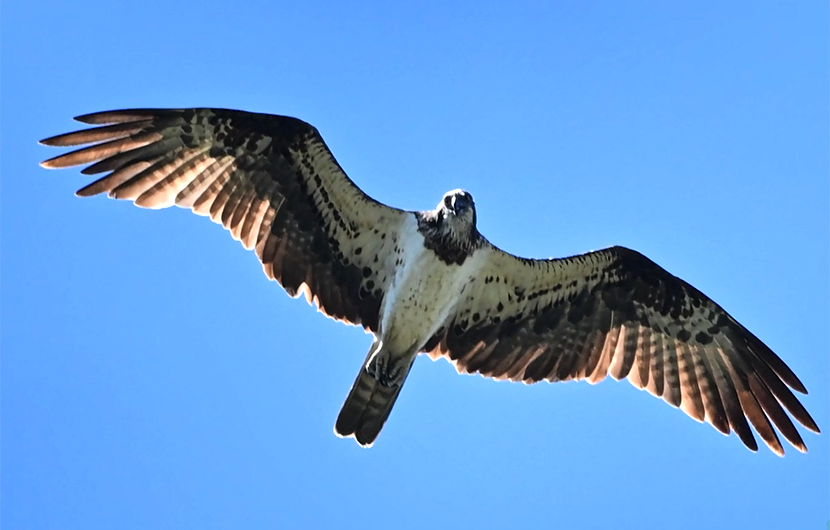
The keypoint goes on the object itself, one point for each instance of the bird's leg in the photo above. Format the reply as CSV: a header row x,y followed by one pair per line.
x,y
377,344
387,369
377,361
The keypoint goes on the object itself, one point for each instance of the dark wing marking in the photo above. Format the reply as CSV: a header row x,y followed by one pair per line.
x,y
270,180
616,312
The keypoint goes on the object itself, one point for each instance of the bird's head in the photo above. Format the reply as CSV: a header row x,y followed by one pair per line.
x,y
457,211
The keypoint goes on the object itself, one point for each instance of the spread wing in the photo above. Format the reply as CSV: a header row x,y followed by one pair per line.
x,y
616,312
270,180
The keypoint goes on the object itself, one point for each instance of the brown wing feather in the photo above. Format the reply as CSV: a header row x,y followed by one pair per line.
x,y
270,180
616,312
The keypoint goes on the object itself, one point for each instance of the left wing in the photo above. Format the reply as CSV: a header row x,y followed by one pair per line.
x,y
616,312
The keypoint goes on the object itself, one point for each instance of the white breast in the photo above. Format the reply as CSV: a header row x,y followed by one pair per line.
x,y
423,293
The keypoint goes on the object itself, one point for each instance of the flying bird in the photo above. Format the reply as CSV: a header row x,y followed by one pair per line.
x,y
429,282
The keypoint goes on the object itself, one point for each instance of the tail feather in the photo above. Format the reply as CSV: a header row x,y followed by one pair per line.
x,y
366,409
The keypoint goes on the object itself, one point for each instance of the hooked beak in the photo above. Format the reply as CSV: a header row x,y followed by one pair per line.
x,y
458,204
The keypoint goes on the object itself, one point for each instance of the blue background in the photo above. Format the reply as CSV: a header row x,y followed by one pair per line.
x,y
153,378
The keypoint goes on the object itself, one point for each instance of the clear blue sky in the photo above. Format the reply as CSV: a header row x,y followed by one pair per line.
x,y
153,378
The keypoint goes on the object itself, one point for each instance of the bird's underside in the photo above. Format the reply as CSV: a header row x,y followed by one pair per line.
x,y
429,282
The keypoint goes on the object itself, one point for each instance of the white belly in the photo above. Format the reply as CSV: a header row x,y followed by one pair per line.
x,y
423,293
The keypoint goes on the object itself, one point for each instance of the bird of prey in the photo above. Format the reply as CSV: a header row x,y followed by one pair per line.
x,y
429,282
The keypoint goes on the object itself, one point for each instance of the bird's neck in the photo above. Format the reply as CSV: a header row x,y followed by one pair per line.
x,y
451,244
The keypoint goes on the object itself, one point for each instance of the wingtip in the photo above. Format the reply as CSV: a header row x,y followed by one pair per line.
x,y
93,118
52,163
86,191
118,116
795,383
59,140
779,451
749,440
812,426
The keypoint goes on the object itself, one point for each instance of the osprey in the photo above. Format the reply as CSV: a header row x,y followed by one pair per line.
x,y
429,282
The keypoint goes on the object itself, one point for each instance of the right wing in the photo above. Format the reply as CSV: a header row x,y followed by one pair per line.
x,y
270,180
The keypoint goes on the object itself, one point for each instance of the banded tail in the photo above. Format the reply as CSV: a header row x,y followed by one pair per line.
x,y
367,407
